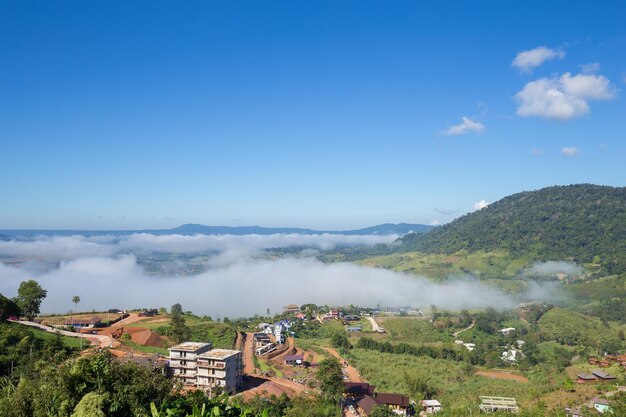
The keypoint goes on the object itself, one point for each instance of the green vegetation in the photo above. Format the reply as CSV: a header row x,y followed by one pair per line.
x,y
583,223
29,298
19,344
178,329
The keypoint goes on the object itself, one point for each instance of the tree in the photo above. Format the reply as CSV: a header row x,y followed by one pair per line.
x,y
90,405
75,300
179,330
330,378
8,308
382,410
29,298
340,340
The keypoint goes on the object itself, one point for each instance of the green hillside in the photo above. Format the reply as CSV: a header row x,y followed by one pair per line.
x,y
583,223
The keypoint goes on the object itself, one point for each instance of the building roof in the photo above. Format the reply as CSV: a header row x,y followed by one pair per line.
x,y
602,375
359,388
431,403
603,401
586,376
219,353
190,346
392,399
367,404
294,357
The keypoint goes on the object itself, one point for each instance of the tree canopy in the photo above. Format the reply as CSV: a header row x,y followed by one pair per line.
x,y
29,297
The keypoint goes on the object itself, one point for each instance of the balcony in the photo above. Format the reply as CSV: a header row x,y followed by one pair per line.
x,y
214,365
188,365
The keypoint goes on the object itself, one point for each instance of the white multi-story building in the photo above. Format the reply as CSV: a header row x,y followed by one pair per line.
x,y
183,358
196,364
220,368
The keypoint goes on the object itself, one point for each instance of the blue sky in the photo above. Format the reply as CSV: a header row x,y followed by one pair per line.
x,y
316,114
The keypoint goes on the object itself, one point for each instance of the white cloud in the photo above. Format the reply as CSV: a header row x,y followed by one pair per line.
x,y
59,248
244,288
563,97
590,68
570,151
479,205
467,125
435,222
536,151
526,61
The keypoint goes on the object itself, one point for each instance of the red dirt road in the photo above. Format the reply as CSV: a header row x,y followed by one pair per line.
x,y
351,371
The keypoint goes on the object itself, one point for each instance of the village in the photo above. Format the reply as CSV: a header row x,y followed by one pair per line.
x,y
273,360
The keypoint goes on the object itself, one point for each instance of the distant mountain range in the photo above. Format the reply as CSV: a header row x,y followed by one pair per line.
x,y
584,223
194,229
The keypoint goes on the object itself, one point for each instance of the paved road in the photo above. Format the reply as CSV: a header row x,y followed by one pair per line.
x,y
96,339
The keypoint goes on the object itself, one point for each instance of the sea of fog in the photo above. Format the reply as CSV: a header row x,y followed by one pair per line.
x,y
224,275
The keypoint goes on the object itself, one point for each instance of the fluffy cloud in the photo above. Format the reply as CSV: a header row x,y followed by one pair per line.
x,y
563,97
247,287
570,151
435,222
467,125
479,205
526,61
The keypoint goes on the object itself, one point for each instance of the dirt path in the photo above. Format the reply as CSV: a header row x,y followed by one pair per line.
x,y
375,326
94,339
351,371
132,318
248,354
291,347
455,334
502,375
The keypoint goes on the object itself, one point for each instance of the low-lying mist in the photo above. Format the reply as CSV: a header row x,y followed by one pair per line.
x,y
105,273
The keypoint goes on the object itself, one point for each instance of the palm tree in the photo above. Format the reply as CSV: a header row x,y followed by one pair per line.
x,y
75,300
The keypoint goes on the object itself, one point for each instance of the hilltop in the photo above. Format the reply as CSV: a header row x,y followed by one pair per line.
x,y
583,223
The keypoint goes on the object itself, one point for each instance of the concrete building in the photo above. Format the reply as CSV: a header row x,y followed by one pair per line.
x,y
198,365
220,368
183,358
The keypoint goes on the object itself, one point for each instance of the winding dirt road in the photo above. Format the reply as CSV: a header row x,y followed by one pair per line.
x,y
351,371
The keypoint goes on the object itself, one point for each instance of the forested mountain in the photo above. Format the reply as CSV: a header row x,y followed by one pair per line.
x,y
195,229
578,222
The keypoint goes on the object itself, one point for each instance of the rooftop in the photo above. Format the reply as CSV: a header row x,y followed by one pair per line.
x,y
392,399
602,375
189,346
219,353
431,403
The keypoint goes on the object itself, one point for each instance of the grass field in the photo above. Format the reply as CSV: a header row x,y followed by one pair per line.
x,y
454,383
439,266
72,342
145,349
220,334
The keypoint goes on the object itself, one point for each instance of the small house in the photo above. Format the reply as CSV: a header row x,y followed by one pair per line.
x,y
366,405
601,404
358,389
507,330
398,403
430,406
294,359
603,376
585,378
